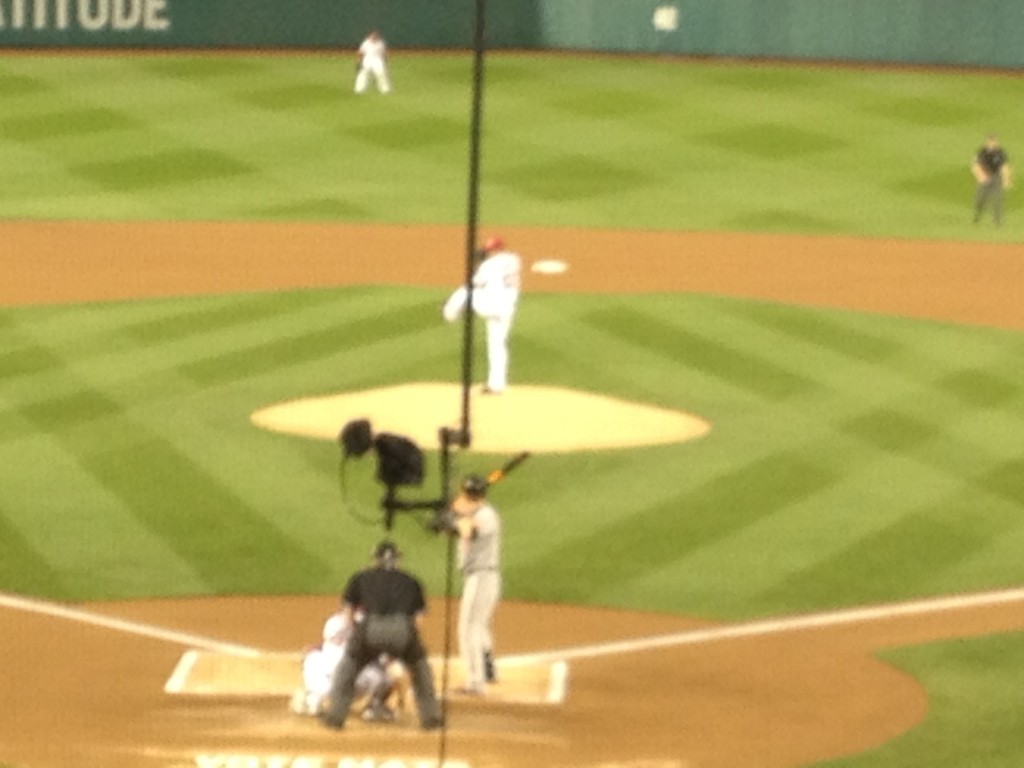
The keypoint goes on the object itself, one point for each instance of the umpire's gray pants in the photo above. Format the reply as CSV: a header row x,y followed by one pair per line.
x,y
989,192
396,636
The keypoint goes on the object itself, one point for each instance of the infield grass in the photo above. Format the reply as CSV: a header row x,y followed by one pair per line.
x,y
973,719
880,455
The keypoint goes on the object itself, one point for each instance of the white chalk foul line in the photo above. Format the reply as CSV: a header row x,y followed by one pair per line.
x,y
129,627
774,626
558,683
179,677
689,637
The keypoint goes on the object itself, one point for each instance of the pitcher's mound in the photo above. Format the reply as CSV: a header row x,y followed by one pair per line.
x,y
523,418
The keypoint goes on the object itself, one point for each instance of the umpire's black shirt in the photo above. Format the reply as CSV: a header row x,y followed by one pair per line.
x,y
384,591
992,159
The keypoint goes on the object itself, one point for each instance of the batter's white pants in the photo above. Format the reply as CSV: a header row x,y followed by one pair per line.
x,y
497,352
481,591
378,71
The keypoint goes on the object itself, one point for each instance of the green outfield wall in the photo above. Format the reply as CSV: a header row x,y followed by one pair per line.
x,y
958,32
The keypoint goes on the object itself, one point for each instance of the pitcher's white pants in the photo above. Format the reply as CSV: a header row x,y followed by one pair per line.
x,y
481,591
498,328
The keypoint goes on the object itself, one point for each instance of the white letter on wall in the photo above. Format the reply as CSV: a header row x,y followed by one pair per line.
x,y
92,22
127,14
153,18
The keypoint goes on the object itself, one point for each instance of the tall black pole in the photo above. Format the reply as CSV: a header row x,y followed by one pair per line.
x,y
465,436
449,590
476,119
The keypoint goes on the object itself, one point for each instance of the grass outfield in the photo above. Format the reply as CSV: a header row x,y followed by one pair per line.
x,y
591,141
855,458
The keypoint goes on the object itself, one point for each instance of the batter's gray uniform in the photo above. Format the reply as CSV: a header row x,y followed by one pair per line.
x,y
480,563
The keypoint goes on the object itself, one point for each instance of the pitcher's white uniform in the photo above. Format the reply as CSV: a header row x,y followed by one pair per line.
x,y
496,284
373,62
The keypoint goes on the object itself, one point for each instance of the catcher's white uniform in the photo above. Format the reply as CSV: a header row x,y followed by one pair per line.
x,y
318,667
373,63
496,284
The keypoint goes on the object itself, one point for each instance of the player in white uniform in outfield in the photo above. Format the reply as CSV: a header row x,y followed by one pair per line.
x,y
496,284
373,62
376,681
478,527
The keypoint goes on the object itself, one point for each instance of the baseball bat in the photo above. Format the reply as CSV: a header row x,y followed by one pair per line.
x,y
499,474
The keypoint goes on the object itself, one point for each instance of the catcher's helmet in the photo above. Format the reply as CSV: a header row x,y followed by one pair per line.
x,y
474,486
494,244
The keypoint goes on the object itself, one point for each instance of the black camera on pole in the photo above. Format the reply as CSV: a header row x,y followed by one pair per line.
x,y
399,463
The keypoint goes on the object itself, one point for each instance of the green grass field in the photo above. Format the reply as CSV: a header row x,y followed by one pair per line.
x,y
855,458
608,142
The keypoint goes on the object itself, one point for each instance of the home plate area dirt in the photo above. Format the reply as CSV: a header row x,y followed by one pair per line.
x,y
205,681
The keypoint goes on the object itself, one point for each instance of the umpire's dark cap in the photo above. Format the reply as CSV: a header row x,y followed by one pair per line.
x,y
387,550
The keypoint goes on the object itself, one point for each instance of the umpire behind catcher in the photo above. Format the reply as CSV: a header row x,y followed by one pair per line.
x,y
388,602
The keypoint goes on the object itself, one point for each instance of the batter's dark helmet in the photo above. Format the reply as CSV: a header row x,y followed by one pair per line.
x,y
474,486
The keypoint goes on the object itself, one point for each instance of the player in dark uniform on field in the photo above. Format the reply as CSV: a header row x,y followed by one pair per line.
x,y
991,169
390,602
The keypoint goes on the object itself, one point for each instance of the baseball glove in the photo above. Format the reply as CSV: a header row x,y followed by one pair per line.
x,y
443,522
